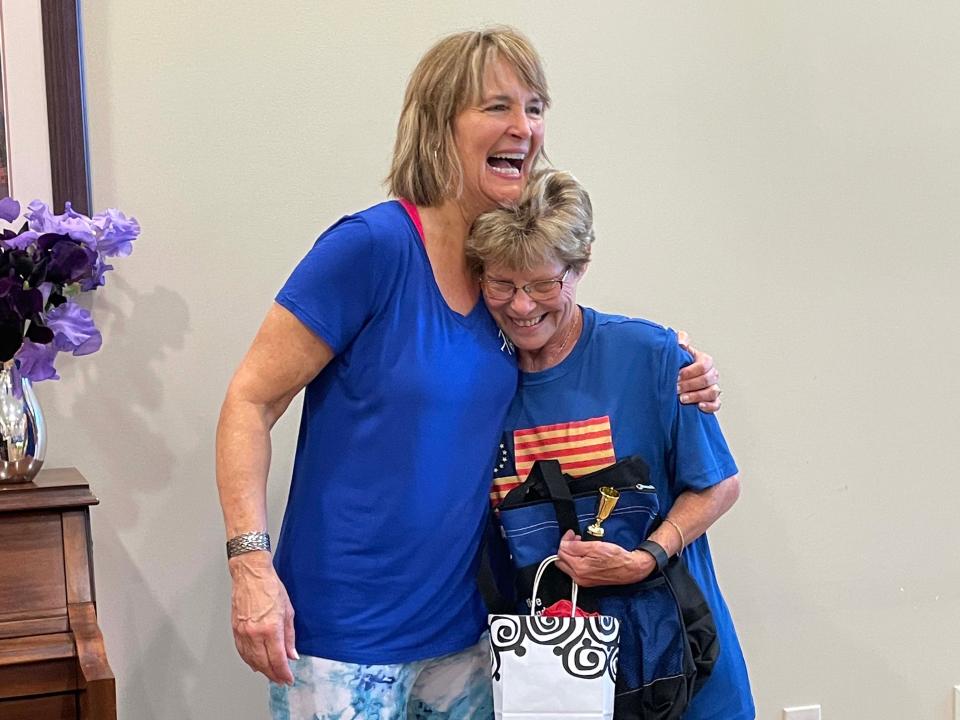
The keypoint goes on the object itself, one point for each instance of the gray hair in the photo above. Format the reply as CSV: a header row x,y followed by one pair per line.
x,y
552,221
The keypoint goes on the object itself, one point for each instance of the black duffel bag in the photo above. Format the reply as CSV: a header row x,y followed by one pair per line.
x,y
668,640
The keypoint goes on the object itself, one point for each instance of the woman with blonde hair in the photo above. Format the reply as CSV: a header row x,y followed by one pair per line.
x,y
407,382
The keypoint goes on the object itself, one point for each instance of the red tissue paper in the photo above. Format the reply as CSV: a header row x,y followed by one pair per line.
x,y
562,608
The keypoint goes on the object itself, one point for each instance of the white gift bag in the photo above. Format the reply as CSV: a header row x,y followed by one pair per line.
x,y
553,667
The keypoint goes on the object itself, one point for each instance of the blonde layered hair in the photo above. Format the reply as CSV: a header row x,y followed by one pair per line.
x,y
552,221
449,78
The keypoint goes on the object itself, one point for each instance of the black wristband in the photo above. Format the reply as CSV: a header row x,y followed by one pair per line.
x,y
655,549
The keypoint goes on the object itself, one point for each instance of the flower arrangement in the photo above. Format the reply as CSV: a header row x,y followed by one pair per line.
x,y
44,265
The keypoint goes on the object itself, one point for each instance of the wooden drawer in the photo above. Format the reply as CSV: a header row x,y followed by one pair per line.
x,y
32,576
45,677
51,707
38,665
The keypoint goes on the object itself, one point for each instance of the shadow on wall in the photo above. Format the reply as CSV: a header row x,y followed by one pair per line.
x,y
108,416
118,398
149,659
163,586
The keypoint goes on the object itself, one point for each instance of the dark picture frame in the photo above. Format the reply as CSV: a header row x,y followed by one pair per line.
x,y
63,71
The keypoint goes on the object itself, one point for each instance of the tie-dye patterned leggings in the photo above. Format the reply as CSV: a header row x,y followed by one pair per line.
x,y
451,687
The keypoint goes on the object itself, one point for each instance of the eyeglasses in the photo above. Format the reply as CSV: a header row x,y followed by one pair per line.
x,y
502,291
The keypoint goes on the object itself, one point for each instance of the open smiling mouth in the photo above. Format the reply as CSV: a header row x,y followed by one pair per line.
x,y
528,323
506,164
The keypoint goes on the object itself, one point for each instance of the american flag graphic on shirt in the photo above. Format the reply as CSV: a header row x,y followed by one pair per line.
x,y
581,446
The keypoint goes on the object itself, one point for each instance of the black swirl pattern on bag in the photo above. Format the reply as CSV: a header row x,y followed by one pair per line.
x,y
603,629
550,630
506,635
586,660
612,664
587,647
507,632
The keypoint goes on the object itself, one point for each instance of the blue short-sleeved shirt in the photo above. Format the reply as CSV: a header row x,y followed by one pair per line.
x,y
380,537
615,396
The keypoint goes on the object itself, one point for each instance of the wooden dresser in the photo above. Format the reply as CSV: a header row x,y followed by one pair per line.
x,y
52,659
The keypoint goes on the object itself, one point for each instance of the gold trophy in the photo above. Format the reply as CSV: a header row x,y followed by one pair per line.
x,y
605,504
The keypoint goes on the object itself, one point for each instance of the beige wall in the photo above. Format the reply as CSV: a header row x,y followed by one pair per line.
x,y
779,178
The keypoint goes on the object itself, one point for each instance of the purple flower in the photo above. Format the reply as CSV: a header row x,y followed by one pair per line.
x,y
26,302
116,233
95,279
71,223
45,289
19,242
69,262
73,329
9,209
36,361
42,265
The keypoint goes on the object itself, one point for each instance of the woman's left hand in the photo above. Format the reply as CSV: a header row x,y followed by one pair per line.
x,y
698,382
595,562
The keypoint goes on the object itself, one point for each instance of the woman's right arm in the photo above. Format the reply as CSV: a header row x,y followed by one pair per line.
x,y
283,358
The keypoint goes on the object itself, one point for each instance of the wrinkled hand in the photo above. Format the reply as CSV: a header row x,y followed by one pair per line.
x,y
593,563
262,617
698,382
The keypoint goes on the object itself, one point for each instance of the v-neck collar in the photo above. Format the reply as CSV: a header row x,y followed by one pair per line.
x,y
413,216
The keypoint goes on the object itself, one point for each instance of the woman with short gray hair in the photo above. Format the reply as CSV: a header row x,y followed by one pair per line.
x,y
595,389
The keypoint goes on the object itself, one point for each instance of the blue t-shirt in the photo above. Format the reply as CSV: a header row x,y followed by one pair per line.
x,y
380,538
615,396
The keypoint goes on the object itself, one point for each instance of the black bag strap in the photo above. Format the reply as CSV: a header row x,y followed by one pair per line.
x,y
549,472
702,640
